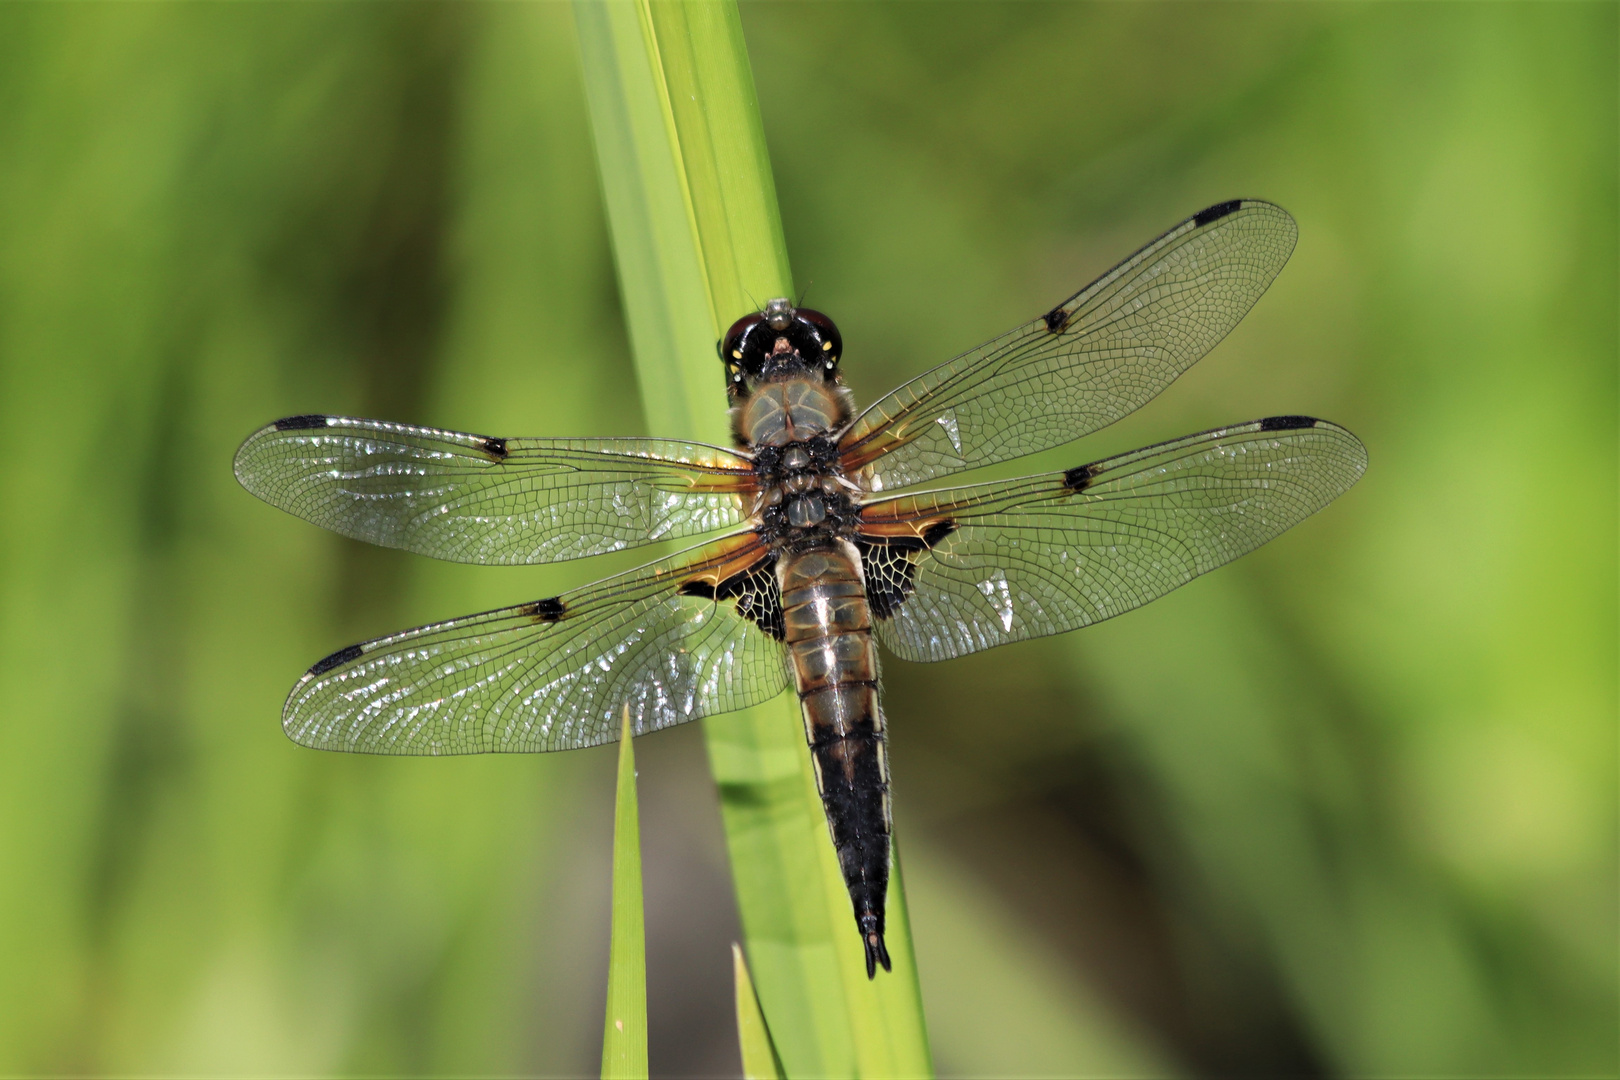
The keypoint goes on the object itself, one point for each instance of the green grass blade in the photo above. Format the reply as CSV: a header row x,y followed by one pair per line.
x,y
698,241
624,1035
759,1059
655,247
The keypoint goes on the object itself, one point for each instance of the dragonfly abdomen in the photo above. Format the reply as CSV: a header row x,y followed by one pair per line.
x,y
828,632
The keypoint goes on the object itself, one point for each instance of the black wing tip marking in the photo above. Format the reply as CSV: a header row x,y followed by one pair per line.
x,y
1057,320
302,422
1288,423
1216,212
1080,477
550,609
336,660
494,448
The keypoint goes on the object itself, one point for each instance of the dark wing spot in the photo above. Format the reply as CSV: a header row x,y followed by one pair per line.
x,y
548,610
301,423
755,591
1080,477
1287,423
1216,212
337,660
495,448
1057,319
938,531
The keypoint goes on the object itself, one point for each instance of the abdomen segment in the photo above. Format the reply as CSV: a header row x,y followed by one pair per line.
x,y
829,638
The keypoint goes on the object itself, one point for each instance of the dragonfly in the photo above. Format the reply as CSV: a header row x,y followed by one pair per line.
x,y
823,537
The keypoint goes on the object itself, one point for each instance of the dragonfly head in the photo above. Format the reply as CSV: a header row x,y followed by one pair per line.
x,y
778,343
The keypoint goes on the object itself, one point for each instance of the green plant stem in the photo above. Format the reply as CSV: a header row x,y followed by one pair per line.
x,y
759,1058
698,242
624,1035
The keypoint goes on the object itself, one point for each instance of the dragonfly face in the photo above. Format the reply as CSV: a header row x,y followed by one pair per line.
x,y
822,549
778,342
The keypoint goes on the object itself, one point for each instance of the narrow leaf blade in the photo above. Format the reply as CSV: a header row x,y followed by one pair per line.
x,y
624,1036
759,1060
692,206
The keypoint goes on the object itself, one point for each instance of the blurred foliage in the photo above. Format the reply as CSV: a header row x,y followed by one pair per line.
x,y
1344,808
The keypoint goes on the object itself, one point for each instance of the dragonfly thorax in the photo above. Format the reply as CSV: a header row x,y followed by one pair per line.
x,y
786,410
804,499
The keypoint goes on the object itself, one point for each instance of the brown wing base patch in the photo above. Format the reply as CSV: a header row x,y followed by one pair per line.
x,y
754,590
890,565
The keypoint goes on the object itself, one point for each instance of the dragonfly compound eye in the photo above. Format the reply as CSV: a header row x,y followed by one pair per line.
x,y
825,345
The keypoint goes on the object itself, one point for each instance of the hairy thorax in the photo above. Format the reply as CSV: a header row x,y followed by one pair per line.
x,y
791,410
805,501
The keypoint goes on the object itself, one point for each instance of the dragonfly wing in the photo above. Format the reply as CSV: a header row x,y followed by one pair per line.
x,y
956,571
478,499
688,636
1098,356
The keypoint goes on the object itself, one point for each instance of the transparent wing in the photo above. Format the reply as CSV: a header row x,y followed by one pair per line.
x,y
477,499
1101,354
964,569
669,641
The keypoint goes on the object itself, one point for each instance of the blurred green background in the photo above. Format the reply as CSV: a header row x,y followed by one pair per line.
x,y
1345,808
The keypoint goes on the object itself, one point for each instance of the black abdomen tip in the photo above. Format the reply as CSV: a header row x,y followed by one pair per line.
x,y
876,953
301,423
1216,212
337,660
1287,423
